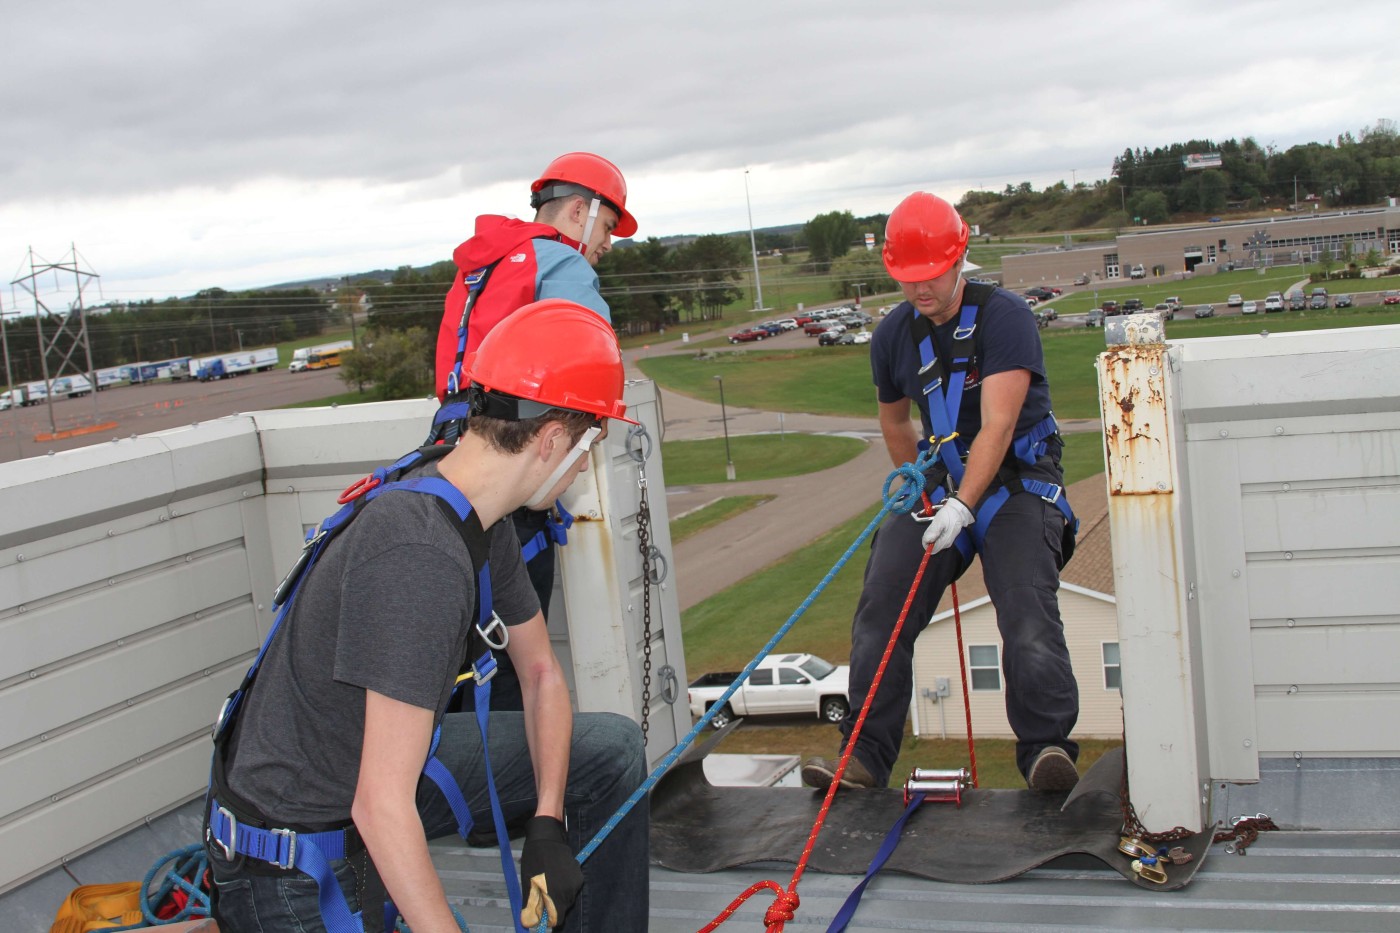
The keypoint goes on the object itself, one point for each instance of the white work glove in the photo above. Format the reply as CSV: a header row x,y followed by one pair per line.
x,y
950,518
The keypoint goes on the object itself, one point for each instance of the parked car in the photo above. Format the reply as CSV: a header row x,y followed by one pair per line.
x,y
1174,301
813,328
1031,300
1390,297
1249,307
1094,318
1234,301
1205,311
1341,301
1137,272
1273,303
1297,302
1132,306
1081,279
830,338
1317,302
862,336
1039,293
787,323
1111,308
1165,310
787,683
744,336
1050,313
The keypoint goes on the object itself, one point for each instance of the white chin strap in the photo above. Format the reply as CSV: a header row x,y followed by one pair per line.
x,y
588,227
540,499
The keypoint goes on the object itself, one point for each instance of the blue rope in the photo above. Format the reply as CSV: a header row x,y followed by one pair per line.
x,y
901,502
186,871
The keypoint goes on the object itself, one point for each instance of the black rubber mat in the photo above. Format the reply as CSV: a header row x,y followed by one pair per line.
x,y
993,836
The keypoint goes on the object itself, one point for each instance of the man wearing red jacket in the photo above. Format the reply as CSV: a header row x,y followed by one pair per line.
x,y
580,203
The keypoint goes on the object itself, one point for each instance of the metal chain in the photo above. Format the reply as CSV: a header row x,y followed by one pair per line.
x,y
1132,826
644,545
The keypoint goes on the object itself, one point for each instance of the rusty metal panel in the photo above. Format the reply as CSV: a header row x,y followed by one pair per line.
x,y
1132,397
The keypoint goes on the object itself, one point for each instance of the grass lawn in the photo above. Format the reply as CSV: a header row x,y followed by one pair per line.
x,y
711,514
756,456
344,398
836,380
804,737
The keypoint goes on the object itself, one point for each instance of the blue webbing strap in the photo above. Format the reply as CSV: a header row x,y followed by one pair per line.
x,y
554,532
1050,492
483,710
309,853
892,838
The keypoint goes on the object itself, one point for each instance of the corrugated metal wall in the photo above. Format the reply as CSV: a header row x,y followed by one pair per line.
x,y
135,579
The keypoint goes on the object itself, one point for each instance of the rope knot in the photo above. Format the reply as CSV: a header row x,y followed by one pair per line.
x,y
903,500
783,909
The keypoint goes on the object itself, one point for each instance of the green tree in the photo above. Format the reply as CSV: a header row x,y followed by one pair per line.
x,y
1151,206
392,361
829,236
860,266
710,266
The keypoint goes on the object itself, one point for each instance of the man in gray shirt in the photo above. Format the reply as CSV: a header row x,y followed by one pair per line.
x,y
337,726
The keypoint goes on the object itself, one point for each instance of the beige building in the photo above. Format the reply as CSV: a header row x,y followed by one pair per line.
x,y
1171,253
1089,612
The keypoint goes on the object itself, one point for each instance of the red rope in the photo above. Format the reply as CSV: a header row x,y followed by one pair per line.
x,y
967,696
786,904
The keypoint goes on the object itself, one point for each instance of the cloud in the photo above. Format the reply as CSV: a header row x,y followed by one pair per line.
x,y
197,142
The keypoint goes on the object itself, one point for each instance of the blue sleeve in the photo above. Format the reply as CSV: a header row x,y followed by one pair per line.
x,y
884,355
561,272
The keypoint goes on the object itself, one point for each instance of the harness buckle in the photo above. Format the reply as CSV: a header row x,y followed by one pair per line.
x,y
223,714
291,860
492,626
962,333
230,848
1059,491
484,673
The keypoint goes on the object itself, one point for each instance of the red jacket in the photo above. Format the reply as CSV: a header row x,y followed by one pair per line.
x,y
533,261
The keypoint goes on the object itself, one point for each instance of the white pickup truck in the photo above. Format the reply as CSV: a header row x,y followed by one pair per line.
x,y
782,683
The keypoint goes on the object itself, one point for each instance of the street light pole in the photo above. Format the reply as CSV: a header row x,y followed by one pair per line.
x,y
857,286
753,250
724,418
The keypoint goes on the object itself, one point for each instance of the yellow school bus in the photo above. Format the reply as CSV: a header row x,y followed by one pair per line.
x,y
325,359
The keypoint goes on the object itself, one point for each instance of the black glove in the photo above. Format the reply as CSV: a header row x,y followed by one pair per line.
x,y
549,872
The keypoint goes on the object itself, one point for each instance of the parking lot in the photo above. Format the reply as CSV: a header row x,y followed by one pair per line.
x,y
142,409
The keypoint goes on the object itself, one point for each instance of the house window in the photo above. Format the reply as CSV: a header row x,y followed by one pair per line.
x,y
985,664
1112,668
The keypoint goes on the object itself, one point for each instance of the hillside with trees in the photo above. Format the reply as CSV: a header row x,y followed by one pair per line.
x,y
1154,185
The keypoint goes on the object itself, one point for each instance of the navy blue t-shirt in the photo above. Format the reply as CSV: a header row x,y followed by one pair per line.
x,y
1006,339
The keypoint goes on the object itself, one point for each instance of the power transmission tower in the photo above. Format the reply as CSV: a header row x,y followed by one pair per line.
x,y
68,329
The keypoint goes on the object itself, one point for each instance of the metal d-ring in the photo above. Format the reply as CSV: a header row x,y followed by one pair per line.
x,y
642,452
655,556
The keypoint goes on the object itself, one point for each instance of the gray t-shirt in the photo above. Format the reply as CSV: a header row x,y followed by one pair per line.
x,y
386,608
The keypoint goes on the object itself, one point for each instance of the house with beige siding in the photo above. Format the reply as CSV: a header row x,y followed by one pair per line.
x,y
1088,609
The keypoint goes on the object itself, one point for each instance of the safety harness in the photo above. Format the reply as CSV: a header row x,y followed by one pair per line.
x,y
241,830
941,398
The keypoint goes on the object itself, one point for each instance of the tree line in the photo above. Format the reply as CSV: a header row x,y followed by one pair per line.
x,y
1154,185
210,322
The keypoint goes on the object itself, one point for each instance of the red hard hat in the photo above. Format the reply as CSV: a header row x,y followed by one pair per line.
x,y
596,174
556,353
924,237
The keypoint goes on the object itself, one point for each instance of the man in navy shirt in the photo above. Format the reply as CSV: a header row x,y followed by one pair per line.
x,y
927,351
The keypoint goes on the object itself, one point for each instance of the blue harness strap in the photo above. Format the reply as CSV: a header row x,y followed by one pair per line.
x,y
943,408
314,852
848,908
555,531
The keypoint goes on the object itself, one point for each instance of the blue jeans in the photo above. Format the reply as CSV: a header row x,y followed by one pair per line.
x,y
1020,565
606,764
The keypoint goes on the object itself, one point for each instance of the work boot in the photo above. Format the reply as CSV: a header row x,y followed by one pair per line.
x,y
818,772
1053,771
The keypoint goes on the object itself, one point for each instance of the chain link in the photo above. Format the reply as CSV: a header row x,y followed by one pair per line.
x,y
1132,826
644,546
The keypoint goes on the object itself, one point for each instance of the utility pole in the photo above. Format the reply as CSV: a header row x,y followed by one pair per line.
x,y
753,249
10,383
77,336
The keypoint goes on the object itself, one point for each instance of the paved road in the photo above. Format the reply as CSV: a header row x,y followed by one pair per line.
x,y
144,409
805,506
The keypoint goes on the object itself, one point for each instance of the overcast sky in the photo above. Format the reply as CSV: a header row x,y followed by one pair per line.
x,y
182,145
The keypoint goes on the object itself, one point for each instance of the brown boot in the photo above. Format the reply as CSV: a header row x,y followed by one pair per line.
x,y
819,773
1053,771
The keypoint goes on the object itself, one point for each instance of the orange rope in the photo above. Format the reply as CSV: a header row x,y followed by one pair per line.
x,y
787,901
